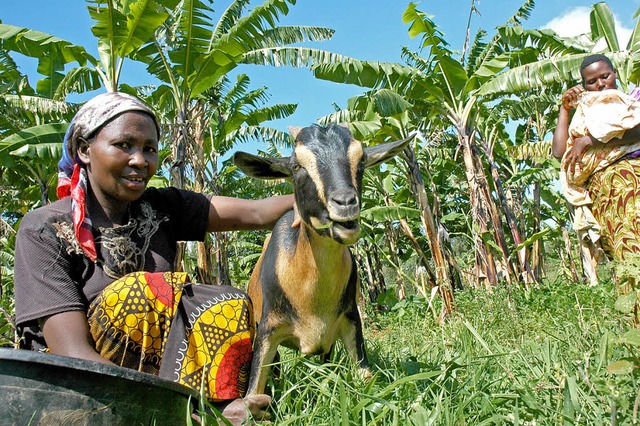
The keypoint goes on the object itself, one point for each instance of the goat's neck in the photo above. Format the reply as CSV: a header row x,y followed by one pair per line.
x,y
323,270
323,252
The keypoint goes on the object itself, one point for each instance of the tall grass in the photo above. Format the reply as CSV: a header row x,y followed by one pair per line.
x,y
506,357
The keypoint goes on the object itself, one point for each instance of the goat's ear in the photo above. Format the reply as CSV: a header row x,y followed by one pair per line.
x,y
262,167
294,130
375,155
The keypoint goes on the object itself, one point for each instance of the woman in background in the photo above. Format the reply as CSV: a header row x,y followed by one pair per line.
x,y
599,149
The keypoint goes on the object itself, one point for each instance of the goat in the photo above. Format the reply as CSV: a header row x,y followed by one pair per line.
x,y
305,285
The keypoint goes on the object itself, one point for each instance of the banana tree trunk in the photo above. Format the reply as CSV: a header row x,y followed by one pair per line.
x,y
506,265
220,244
486,274
431,276
204,267
214,249
537,250
567,257
424,261
180,135
180,150
524,270
365,265
443,279
375,284
380,282
392,238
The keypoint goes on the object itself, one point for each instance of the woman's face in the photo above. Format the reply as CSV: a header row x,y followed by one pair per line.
x,y
599,76
121,159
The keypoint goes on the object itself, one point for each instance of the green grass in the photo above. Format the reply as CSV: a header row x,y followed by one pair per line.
x,y
534,358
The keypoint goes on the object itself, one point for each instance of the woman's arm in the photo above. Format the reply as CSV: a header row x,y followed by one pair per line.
x,y
67,334
561,133
580,144
230,214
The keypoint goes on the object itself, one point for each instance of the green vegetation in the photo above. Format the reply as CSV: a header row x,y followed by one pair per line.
x,y
538,357
510,334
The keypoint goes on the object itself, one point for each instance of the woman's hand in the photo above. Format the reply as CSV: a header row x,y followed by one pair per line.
x,y
577,151
561,133
571,96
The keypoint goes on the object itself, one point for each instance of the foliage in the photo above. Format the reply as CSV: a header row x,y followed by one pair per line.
x,y
7,326
541,358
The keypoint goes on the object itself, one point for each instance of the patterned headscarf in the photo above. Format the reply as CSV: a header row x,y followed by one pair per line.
x,y
72,174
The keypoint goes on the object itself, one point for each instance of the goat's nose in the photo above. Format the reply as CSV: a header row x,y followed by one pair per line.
x,y
345,197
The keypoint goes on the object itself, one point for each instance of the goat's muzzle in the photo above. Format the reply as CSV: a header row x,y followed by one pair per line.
x,y
347,232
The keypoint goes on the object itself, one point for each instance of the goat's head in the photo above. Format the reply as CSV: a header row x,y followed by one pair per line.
x,y
326,166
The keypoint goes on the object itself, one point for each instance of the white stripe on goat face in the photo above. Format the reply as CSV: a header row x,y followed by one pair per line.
x,y
355,154
307,159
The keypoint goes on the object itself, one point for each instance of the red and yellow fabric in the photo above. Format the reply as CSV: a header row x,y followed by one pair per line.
x,y
159,323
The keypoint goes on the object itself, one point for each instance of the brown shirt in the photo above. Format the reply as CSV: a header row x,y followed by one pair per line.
x,y
52,275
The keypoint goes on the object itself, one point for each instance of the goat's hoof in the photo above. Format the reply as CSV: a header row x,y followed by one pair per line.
x,y
365,373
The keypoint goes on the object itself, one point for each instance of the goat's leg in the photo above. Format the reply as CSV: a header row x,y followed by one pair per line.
x,y
264,351
276,366
325,357
353,340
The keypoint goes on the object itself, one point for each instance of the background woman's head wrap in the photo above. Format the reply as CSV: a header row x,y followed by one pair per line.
x,y
72,175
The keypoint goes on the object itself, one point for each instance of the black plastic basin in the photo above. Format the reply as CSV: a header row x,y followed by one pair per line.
x,y
45,389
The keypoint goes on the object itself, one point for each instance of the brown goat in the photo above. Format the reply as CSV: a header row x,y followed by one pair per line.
x,y
305,285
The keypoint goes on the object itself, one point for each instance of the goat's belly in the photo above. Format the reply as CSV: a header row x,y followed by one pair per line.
x,y
316,335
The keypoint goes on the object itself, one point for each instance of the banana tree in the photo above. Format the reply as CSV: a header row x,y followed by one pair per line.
x,y
122,27
31,146
191,56
52,54
33,151
527,164
30,136
440,85
559,62
234,114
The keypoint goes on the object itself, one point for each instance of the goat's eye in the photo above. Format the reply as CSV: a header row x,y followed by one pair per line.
x,y
296,167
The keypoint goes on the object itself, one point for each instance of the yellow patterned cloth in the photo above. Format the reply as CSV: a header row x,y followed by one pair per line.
x,y
159,323
616,206
605,115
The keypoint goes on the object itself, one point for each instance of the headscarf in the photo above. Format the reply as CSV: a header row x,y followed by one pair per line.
x,y
72,174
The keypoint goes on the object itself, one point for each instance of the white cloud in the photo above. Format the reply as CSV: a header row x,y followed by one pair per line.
x,y
573,23
576,22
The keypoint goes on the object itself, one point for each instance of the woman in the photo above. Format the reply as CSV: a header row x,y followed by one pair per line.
x,y
93,271
600,168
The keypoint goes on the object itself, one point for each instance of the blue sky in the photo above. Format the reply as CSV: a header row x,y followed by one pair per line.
x,y
365,29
